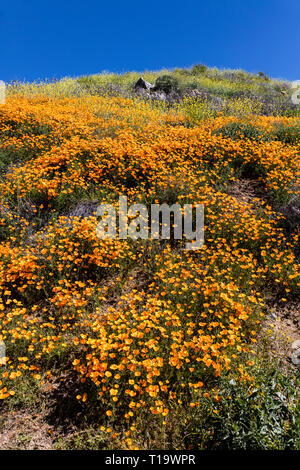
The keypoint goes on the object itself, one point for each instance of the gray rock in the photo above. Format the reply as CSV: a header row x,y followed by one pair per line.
x,y
296,357
173,96
158,95
194,94
143,84
151,94
296,344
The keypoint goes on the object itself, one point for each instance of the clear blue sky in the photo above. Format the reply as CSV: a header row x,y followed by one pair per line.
x,y
46,39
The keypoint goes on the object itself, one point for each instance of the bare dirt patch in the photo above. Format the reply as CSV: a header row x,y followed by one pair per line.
x,y
249,191
25,431
281,329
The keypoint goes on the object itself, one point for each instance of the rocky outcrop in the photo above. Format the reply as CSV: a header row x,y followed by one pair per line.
x,y
147,91
200,95
143,84
153,92
151,95
295,357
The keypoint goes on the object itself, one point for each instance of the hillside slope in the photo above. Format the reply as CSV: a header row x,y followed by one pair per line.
x,y
124,343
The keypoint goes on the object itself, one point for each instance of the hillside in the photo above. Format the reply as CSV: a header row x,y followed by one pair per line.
x,y
142,344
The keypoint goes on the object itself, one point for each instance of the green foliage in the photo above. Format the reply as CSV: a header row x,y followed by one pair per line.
x,y
199,69
238,130
85,439
286,134
263,75
265,415
166,83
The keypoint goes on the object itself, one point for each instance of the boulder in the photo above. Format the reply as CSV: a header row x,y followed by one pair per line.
x,y
143,84
158,95
173,96
147,91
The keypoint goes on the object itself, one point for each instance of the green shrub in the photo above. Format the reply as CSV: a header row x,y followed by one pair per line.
x,y
237,130
166,83
264,416
286,134
263,75
199,69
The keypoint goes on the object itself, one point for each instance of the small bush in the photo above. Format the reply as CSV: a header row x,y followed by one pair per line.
x,y
263,75
263,416
286,134
199,69
166,83
237,130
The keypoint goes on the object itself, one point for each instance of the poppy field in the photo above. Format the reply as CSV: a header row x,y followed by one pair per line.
x,y
142,344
